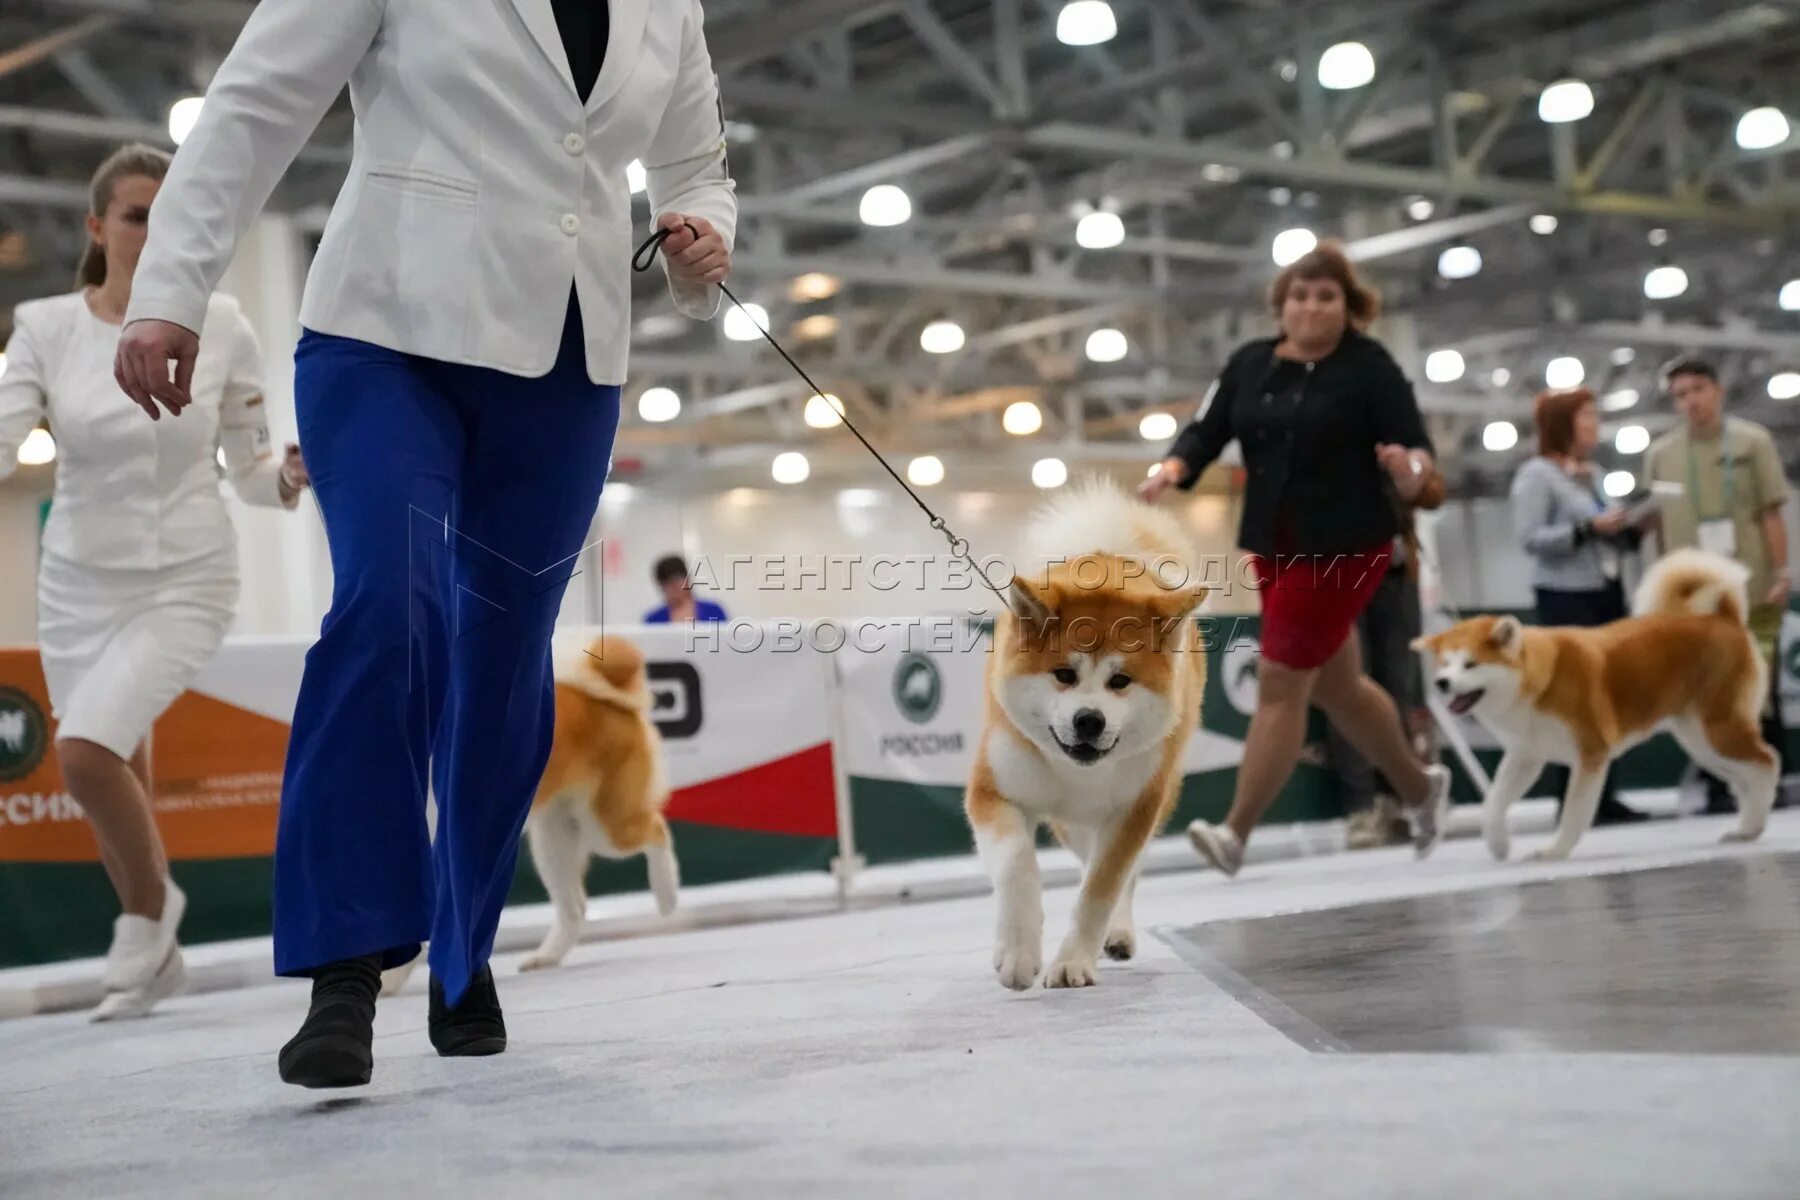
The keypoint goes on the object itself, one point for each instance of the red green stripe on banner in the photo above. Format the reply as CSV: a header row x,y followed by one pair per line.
x,y
792,795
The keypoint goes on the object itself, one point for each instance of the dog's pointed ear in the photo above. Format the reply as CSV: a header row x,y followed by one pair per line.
x,y
1178,603
1421,645
1031,602
1506,633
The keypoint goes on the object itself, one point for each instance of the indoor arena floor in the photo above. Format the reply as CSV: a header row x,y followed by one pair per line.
x,y
1625,1024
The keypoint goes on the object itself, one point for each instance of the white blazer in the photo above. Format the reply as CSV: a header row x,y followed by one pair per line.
x,y
480,185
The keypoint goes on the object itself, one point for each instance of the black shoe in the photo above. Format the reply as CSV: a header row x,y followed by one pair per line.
x,y
1612,812
475,1026
334,1046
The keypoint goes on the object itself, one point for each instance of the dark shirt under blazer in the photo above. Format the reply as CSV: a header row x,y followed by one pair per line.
x,y
1313,483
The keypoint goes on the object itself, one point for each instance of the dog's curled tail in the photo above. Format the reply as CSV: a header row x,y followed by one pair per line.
x,y
1694,582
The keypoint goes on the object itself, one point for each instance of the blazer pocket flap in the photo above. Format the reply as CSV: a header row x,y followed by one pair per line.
x,y
415,181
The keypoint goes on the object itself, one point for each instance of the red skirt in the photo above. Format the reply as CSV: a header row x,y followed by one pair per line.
x,y
1310,603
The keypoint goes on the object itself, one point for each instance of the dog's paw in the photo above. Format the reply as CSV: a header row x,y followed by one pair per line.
x,y
1071,973
1736,836
1121,944
1017,966
1549,854
1499,843
539,961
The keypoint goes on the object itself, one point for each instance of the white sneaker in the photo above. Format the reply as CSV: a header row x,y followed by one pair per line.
x,y
1429,818
1218,845
170,979
140,946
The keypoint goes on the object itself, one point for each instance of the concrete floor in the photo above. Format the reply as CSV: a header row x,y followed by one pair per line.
x,y
872,1054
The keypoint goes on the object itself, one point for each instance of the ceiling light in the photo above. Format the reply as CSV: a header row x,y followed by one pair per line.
x,y
1762,128
1631,439
1500,435
1619,483
1665,283
1289,70
1443,366
745,322
1565,372
1459,262
1049,473
1107,346
1086,23
1281,196
1565,100
1157,427
1543,224
1220,173
790,467
824,411
182,115
1291,245
942,337
1658,236
37,449
659,404
1785,386
1789,299
1501,377
1620,400
1346,65
1623,356
636,178
926,470
1282,149
819,325
1099,231
1022,417
1420,208
815,285
884,205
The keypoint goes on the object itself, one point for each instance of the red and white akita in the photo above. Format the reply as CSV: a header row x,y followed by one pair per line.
x,y
1683,662
1092,690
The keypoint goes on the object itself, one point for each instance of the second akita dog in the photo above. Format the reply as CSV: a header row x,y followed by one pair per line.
x,y
1684,661
1093,686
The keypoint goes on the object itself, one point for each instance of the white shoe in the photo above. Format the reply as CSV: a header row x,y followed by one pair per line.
x,y
138,1001
1429,818
141,946
1218,845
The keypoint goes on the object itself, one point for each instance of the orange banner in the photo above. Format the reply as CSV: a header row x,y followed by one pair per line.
x,y
215,774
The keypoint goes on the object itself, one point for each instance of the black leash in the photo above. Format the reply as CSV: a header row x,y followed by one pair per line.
x,y
959,547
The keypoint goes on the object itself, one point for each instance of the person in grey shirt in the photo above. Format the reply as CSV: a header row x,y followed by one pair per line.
x,y
1561,519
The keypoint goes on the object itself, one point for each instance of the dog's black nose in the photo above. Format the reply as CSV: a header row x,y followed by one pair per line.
x,y
1443,685
1090,723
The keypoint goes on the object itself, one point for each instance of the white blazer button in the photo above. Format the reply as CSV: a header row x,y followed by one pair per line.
x,y
574,143
570,223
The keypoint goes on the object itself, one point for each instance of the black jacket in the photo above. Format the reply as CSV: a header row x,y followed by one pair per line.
x,y
1315,466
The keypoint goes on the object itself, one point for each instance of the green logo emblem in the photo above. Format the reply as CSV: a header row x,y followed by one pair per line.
x,y
918,688
24,735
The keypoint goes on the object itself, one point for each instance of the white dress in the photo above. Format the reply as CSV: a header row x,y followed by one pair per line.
x,y
137,580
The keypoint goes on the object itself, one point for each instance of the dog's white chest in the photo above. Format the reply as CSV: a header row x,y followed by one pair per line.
x,y
1054,791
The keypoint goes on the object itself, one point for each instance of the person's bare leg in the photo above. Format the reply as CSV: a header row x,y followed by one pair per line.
x,y
1368,717
1272,746
112,794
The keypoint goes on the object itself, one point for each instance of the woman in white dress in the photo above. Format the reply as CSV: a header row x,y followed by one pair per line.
x,y
138,577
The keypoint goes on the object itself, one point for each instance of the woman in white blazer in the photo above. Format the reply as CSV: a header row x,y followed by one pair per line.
x,y
465,331
138,576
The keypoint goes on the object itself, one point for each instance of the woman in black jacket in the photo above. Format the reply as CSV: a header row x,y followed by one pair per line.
x,y
1328,425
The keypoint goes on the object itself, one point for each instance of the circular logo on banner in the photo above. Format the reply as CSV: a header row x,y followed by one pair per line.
x,y
918,688
24,734
1238,667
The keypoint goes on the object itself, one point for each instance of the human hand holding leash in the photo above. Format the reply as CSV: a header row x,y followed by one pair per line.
x,y
694,249
141,365
1408,468
1169,472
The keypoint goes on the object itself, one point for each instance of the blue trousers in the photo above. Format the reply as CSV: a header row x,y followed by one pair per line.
x,y
456,501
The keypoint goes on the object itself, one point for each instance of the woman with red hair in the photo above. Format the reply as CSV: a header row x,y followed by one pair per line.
x,y
1331,436
1563,522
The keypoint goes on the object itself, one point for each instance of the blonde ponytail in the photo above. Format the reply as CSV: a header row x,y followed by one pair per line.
x,y
127,162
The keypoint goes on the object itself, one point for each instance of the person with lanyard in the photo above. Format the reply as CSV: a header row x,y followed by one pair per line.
x,y
1575,540
1733,494
465,332
680,605
1331,434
